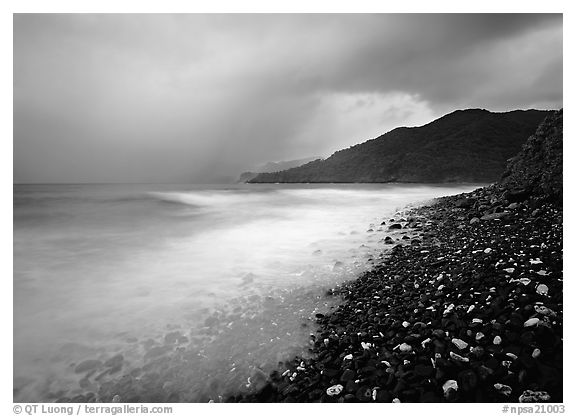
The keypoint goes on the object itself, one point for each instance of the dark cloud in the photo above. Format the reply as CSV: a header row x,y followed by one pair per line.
x,y
202,97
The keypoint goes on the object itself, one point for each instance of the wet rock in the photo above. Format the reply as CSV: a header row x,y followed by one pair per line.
x,y
348,375
405,347
395,226
364,394
503,389
495,216
449,386
542,289
334,390
529,396
459,358
532,322
115,361
464,203
460,343
87,365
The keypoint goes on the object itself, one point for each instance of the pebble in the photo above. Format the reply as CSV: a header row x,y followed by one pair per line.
x,y
449,385
335,390
87,366
503,389
405,347
531,322
542,289
457,357
529,396
478,309
459,343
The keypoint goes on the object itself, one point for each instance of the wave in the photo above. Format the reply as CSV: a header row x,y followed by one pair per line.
x,y
204,199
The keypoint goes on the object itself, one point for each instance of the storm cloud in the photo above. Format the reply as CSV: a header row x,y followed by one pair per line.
x,y
201,98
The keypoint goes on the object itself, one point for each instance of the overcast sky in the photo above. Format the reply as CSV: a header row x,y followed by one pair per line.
x,y
201,98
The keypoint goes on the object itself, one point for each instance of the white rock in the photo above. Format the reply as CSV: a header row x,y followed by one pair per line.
x,y
405,324
405,347
536,353
450,385
497,340
457,357
477,321
479,336
536,261
542,289
335,390
510,270
366,345
543,310
459,343
396,400
488,250
531,322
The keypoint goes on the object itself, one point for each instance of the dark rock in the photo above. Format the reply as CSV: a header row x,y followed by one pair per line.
x,y
87,365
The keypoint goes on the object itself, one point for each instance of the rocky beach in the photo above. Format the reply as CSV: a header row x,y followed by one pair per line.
x,y
467,307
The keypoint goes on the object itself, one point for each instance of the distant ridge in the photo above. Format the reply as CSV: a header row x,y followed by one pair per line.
x,y
275,167
463,146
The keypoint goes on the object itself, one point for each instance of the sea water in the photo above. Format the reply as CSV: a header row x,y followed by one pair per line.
x,y
185,291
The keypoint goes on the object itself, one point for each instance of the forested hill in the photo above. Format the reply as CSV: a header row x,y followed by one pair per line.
x,y
464,146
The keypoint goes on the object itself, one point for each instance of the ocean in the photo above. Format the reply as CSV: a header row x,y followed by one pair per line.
x,y
188,292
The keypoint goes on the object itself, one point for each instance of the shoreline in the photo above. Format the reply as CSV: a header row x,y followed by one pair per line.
x,y
469,311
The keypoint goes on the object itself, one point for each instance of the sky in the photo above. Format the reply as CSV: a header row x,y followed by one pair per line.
x,y
199,98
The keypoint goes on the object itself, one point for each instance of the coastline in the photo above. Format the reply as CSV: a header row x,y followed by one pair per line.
x,y
469,311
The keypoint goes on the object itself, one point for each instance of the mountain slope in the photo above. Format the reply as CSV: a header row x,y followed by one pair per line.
x,y
274,167
537,169
463,146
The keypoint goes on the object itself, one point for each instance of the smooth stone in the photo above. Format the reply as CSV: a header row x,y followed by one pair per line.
x,y
87,366
542,289
405,347
460,343
457,357
335,390
449,385
494,216
532,322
